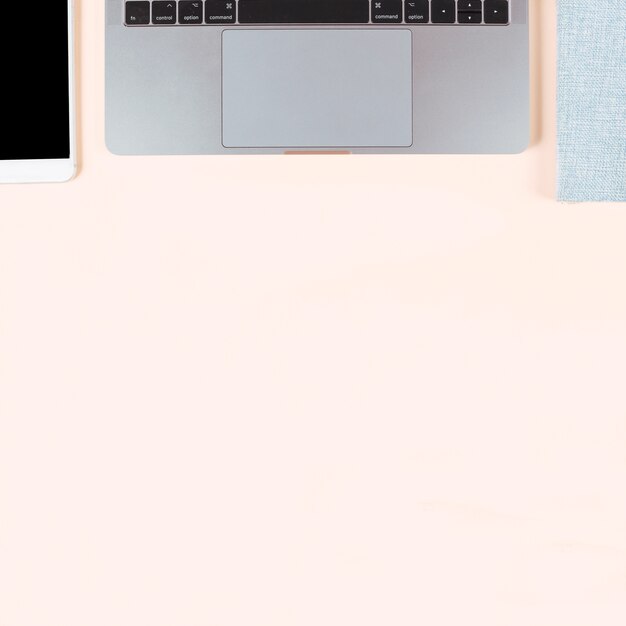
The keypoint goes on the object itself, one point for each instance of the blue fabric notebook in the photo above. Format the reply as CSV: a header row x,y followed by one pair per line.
x,y
591,100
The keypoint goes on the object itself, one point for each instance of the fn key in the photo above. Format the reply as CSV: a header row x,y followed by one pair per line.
x,y
137,13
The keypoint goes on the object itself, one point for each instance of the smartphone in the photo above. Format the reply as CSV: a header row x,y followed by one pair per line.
x,y
37,110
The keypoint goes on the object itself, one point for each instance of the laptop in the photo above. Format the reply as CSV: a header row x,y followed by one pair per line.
x,y
316,76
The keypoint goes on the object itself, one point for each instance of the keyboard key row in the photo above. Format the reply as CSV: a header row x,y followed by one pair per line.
x,y
169,12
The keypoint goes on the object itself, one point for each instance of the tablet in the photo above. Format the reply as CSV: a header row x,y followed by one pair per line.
x,y
37,116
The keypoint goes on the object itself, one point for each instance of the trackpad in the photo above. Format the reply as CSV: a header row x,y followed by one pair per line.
x,y
317,88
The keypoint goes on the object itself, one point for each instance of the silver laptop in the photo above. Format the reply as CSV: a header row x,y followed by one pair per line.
x,y
316,76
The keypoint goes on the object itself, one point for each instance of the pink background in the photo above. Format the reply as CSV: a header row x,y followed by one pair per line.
x,y
334,391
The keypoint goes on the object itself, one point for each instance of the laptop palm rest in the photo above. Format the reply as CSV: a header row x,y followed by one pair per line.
x,y
313,88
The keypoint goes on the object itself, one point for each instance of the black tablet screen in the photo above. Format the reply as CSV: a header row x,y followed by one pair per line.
x,y
34,93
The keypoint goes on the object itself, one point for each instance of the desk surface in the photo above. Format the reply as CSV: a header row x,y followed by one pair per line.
x,y
311,390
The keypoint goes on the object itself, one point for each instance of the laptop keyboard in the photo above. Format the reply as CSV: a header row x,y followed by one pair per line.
x,y
220,12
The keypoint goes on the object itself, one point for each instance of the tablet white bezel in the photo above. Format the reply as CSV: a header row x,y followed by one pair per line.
x,y
49,170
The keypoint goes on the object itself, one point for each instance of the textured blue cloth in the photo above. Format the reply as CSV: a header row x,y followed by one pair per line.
x,y
591,100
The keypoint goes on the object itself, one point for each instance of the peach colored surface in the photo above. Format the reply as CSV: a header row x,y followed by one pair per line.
x,y
311,391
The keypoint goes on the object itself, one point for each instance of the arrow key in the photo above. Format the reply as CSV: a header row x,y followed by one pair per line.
x,y
470,5
443,11
496,12
470,17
